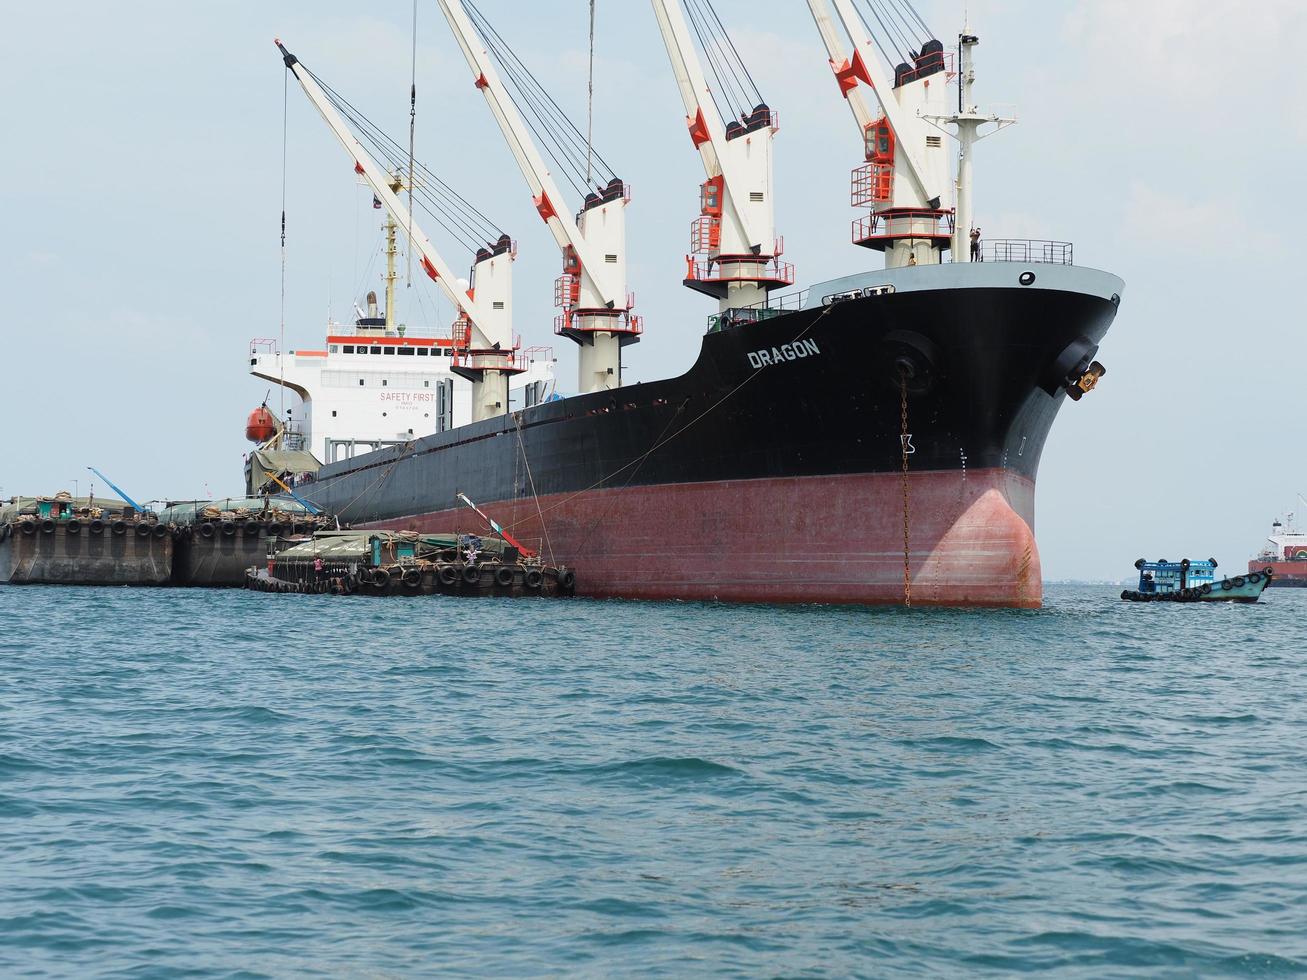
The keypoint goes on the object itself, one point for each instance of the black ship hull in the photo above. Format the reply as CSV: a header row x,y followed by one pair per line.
x,y
772,470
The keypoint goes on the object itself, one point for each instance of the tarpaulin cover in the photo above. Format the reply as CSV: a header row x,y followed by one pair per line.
x,y
186,511
266,463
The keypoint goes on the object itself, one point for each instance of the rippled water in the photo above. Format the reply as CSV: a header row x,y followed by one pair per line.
x,y
242,784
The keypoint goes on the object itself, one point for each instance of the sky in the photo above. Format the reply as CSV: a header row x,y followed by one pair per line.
x,y
141,194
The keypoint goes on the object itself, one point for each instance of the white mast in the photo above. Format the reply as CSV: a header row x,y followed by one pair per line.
x,y
487,358
592,290
968,120
737,226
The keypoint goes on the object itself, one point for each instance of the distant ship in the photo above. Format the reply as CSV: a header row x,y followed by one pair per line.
x,y
1285,554
871,439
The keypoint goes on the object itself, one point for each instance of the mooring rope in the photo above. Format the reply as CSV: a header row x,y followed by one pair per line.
x,y
661,441
544,528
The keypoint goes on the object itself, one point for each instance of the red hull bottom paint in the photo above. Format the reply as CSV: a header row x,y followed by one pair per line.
x,y
834,539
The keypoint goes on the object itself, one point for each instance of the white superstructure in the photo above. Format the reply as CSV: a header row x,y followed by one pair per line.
x,y
365,389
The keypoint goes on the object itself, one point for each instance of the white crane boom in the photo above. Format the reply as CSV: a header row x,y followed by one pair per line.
x,y
866,66
846,71
707,129
482,319
548,199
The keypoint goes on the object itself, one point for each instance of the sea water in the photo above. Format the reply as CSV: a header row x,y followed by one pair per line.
x,y
199,783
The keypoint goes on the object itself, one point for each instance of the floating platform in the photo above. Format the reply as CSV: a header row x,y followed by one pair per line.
x,y
388,563
117,549
216,542
65,541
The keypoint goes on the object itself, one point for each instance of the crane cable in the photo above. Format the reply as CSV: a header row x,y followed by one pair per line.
x,y
564,142
412,132
446,206
590,105
281,361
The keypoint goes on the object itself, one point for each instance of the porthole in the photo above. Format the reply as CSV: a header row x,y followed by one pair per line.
x,y
1027,278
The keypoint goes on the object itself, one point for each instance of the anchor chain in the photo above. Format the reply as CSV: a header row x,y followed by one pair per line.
x,y
905,441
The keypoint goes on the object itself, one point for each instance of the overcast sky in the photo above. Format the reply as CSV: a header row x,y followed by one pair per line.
x,y
140,193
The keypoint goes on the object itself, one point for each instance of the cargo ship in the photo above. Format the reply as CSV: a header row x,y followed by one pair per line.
x,y
870,439
1285,555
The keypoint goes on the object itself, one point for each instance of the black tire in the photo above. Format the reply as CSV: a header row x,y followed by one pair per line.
x,y
1125,593
412,577
96,526
1226,585
1254,578
1207,588
1163,561
447,574
207,530
1184,563
118,527
29,527
1239,581
504,576
1139,563
1213,561
533,579
159,530
1268,571
48,525
142,530
274,529
567,580
228,528
380,577
72,526
471,574
251,529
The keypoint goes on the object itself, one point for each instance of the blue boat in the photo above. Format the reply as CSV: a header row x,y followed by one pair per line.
x,y
1193,581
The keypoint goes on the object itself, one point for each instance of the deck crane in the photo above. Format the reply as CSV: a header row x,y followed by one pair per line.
x,y
485,353
736,228
906,177
592,290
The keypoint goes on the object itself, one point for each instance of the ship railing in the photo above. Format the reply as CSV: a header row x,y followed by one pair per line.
x,y
774,306
1027,250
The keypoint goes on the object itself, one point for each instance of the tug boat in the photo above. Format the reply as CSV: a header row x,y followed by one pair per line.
x,y
1194,581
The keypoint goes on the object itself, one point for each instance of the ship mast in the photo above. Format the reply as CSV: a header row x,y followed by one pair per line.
x,y
392,229
967,122
736,228
592,290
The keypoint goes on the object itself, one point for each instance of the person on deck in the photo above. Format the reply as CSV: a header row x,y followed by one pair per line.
x,y
975,245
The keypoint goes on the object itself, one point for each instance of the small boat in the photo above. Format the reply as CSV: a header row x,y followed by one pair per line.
x,y
1193,581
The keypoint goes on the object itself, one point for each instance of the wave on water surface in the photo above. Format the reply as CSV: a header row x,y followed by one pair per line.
x,y
216,784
